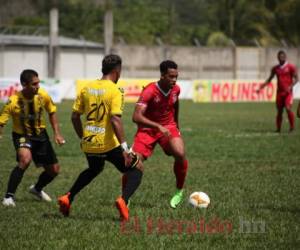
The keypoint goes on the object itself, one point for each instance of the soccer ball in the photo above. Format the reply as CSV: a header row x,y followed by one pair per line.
x,y
199,199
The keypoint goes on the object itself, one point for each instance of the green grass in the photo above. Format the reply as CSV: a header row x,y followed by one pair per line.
x,y
250,173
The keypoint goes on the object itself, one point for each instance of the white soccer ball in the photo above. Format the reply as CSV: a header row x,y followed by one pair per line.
x,y
199,199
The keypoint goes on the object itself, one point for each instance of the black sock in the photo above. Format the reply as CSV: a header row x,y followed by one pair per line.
x,y
134,178
43,180
14,181
83,179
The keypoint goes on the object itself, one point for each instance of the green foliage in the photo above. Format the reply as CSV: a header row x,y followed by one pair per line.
x,y
176,22
218,39
249,172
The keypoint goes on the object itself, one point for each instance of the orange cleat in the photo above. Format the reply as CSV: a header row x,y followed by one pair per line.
x,y
64,204
123,209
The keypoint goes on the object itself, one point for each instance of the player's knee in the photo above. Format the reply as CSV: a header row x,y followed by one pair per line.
x,y
24,161
179,155
53,170
95,170
140,166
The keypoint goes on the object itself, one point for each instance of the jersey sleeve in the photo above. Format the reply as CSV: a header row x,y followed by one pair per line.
x,y
145,97
78,105
48,103
117,102
5,112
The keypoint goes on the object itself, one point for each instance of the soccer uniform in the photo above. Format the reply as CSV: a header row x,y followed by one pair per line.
x,y
160,108
99,101
284,74
29,126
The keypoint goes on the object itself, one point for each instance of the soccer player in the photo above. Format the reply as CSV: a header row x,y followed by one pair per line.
x,y
102,136
31,141
156,114
287,77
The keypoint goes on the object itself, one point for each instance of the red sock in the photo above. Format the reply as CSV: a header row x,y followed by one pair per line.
x,y
180,171
291,117
278,121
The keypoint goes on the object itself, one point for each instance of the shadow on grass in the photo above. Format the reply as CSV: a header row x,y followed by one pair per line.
x,y
81,217
282,209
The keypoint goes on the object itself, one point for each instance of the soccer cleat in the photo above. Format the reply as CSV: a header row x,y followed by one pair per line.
x,y
123,209
8,202
64,204
177,198
40,195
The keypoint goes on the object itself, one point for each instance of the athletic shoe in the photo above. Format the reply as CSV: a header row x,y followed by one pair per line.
x,y
64,204
40,195
177,198
8,202
123,209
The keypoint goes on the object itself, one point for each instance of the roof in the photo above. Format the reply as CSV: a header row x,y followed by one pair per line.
x,y
29,40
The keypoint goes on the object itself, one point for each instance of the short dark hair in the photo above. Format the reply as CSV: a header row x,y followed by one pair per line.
x,y
110,62
281,52
167,64
27,75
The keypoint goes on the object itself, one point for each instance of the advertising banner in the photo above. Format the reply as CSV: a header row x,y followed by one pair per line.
x,y
232,91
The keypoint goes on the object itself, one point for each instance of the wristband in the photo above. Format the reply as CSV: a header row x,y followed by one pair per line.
x,y
124,147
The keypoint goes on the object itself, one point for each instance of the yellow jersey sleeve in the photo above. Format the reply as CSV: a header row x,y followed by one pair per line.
x,y
5,112
78,105
48,103
117,102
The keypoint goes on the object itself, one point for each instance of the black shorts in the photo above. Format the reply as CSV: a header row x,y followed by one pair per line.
x,y
39,145
114,156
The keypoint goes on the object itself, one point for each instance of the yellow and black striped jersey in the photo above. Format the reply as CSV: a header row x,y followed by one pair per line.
x,y
27,114
98,101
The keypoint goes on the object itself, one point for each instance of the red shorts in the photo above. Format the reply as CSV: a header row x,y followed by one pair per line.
x,y
284,100
145,140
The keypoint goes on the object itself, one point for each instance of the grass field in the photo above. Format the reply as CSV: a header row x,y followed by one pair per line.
x,y
251,174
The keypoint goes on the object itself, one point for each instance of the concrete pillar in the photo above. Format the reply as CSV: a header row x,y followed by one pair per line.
x,y
53,42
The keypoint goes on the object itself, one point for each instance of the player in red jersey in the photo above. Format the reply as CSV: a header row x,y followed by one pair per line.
x,y
156,114
287,77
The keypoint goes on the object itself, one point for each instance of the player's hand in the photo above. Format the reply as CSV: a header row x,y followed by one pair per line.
x,y
131,159
165,131
59,139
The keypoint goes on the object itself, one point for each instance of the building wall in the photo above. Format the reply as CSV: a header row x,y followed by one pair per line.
x,y
143,61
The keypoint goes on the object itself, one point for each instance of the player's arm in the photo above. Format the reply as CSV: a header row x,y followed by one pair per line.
x,y
54,124
77,124
295,78
139,118
176,114
4,116
272,74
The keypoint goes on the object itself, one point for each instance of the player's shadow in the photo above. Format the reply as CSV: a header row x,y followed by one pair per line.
x,y
282,209
80,217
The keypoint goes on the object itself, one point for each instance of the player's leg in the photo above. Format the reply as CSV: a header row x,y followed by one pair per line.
x,y
180,169
175,147
24,157
298,110
134,175
288,107
143,146
95,166
44,155
279,106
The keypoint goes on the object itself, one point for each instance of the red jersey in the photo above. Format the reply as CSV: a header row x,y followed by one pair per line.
x,y
284,74
160,105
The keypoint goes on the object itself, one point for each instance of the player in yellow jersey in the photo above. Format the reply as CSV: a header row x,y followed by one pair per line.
x,y
102,135
27,109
